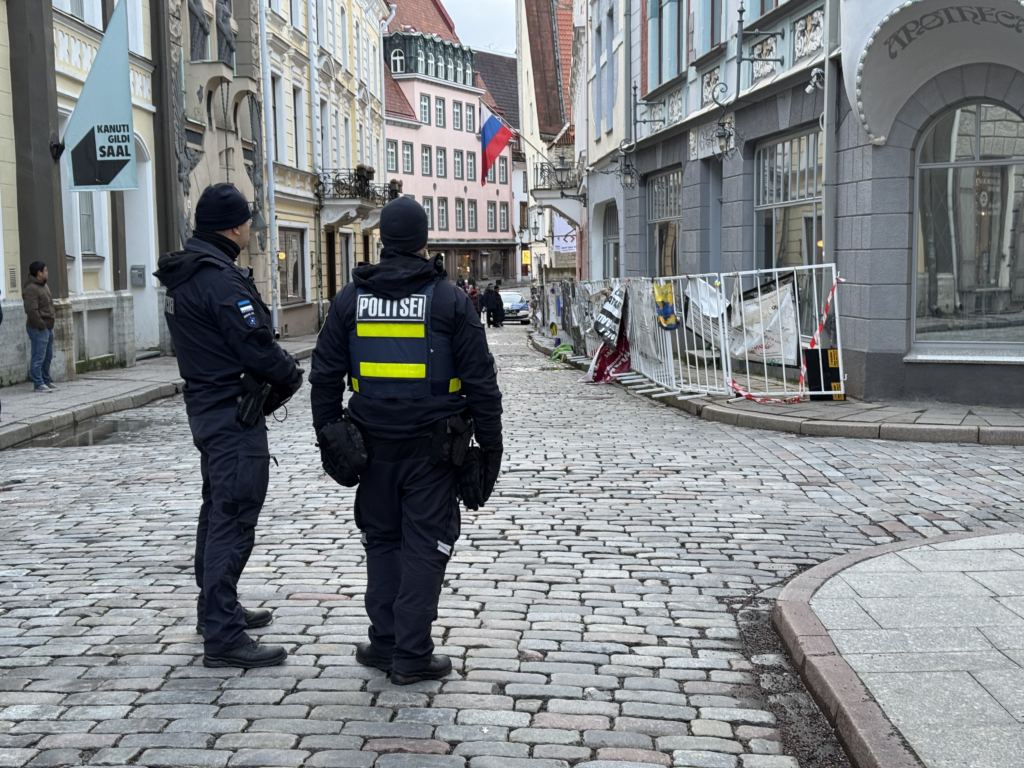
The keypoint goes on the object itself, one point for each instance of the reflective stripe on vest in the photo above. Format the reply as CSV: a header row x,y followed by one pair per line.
x,y
393,352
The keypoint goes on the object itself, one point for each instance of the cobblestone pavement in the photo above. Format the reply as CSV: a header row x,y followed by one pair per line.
x,y
605,610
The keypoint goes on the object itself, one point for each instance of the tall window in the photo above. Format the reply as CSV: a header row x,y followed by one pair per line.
x,y
419,62
715,21
430,64
667,40
321,23
471,215
503,170
397,61
442,162
611,240
424,108
325,136
471,166
291,269
457,115
459,72
336,155
460,213
359,52
503,217
348,143
969,254
343,34
457,156
87,222
490,175
426,160
787,201
469,74
492,216
295,13
407,157
299,128
664,214
451,68
471,118
277,151
360,157
428,208
442,213
392,156
439,112
768,5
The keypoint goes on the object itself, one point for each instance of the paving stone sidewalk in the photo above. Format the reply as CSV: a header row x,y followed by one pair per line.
x,y
600,611
936,633
27,414
887,420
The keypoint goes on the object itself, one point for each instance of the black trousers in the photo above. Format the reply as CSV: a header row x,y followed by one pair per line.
x,y
408,512
235,462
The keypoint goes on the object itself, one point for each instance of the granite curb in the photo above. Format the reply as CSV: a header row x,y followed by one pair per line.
x,y
711,410
20,431
868,736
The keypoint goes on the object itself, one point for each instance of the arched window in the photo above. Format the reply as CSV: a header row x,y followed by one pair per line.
x,y
430,64
458,72
970,238
397,61
451,69
611,240
419,62
469,74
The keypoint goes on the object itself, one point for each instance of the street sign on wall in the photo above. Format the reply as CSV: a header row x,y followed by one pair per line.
x,y
100,134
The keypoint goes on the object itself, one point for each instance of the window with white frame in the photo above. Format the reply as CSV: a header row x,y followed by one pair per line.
x,y
360,158
457,156
451,69
460,213
492,216
292,269
503,217
359,50
426,160
430,64
295,13
299,128
407,157
459,73
471,215
664,214
392,156
503,170
325,135
336,154
321,23
343,35
439,112
442,213
277,147
87,222
471,118
469,74
442,162
471,166
419,62
457,115
428,208
490,174
424,109
348,142
397,61
787,201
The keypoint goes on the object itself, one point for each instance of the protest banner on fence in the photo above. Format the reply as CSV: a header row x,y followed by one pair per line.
x,y
763,328
609,321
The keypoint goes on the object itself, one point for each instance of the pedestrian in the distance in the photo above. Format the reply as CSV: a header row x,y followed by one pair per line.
x,y
221,330
474,296
39,318
489,302
416,359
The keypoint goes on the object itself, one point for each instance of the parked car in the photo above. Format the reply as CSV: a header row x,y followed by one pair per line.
x,y
516,306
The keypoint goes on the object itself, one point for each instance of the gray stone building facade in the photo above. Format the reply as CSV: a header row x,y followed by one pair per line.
x,y
900,159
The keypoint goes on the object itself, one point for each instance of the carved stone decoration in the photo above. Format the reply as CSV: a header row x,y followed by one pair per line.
x,y
225,34
188,158
199,29
693,145
675,106
707,86
255,170
254,16
810,34
766,49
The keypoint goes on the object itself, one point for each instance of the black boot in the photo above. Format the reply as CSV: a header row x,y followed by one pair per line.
x,y
438,667
368,657
248,656
253,619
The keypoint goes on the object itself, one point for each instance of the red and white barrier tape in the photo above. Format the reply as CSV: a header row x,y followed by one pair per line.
x,y
815,340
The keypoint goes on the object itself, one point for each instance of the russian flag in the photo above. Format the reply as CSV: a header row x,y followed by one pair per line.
x,y
495,136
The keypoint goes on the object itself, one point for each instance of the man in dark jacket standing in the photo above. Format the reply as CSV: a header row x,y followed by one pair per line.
x,y
417,361
222,330
39,318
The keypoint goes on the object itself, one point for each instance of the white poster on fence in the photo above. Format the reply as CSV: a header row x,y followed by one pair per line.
x,y
764,329
607,323
706,306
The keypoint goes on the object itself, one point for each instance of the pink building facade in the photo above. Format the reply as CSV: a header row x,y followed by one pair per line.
x,y
433,113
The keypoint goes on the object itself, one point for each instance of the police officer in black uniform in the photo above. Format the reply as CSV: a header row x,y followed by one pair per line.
x,y
222,330
416,356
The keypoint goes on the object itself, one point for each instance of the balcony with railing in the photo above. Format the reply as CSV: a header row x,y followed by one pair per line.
x,y
557,185
347,195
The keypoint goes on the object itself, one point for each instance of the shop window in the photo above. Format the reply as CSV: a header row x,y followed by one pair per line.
x,y
664,212
291,266
969,255
611,240
787,202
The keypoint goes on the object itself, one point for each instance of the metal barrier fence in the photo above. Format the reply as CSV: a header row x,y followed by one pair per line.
x,y
762,334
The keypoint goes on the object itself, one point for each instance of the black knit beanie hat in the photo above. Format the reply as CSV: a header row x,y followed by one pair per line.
x,y
403,225
221,207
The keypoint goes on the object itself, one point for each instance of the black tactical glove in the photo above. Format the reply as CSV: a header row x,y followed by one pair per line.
x,y
343,452
281,394
471,479
491,456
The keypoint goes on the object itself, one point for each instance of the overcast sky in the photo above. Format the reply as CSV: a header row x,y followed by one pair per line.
x,y
485,24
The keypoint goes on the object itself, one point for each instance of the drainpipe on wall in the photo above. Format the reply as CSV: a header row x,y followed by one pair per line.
x,y
268,130
829,128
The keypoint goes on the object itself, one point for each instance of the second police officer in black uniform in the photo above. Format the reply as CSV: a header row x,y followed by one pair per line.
x,y
418,365
222,330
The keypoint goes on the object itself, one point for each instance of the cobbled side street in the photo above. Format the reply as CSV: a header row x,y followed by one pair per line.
x,y
607,608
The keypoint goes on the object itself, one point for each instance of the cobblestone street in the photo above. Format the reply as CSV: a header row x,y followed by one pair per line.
x,y
607,609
